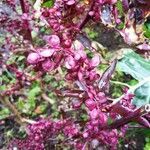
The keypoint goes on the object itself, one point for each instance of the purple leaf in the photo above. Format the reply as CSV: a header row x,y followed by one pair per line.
x,y
107,75
47,52
144,122
70,2
125,4
106,15
143,46
84,40
95,61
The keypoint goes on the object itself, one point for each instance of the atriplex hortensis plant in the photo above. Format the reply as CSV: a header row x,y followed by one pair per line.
x,y
65,48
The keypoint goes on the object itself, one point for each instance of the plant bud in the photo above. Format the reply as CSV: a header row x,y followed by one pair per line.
x,y
33,58
90,104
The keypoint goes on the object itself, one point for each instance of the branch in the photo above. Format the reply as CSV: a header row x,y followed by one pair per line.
x,y
5,101
48,99
28,121
23,6
27,35
120,83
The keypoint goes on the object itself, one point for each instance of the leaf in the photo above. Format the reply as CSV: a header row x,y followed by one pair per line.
x,y
95,61
134,64
143,46
125,5
48,3
33,92
84,40
20,58
4,113
32,96
138,68
12,59
107,75
3,87
20,104
106,15
142,95
146,29
120,7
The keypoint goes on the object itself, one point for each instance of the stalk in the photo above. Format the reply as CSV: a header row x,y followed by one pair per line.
x,y
27,35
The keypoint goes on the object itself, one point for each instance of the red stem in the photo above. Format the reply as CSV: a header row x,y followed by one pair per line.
x,y
128,115
124,120
23,6
124,111
27,35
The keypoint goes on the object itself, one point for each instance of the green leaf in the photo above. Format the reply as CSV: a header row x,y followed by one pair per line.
x,y
20,104
121,26
134,64
2,87
12,59
119,7
32,93
146,29
138,68
20,58
142,95
32,96
4,113
48,3
147,146
132,82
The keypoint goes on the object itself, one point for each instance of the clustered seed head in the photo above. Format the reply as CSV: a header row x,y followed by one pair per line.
x,y
38,133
